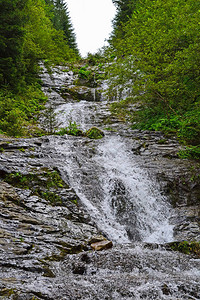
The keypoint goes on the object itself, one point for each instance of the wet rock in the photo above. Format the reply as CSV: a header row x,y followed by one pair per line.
x,y
103,245
85,258
81,92
78,269
96,238
44,246
7,192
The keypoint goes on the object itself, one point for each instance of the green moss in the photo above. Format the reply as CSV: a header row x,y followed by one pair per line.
x,y
95,133
186,247
45,185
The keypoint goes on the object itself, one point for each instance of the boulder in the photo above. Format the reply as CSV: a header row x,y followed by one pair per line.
x,y
97,238
102,245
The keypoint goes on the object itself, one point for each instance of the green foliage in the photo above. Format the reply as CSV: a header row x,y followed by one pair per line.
x,y
190,152
96,59
72,129
187,247
42,40
11,42
49,120
61,22
27,35
90,74
17,112
43,185
186,126
84,73
157,64
95,133
125,9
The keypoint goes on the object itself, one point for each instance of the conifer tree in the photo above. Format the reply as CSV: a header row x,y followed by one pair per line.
x,y
11,41
61,21
125,9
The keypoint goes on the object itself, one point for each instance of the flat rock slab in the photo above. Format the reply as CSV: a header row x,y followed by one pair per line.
x,y
102,245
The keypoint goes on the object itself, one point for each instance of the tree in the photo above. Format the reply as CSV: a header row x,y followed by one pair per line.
x,y
158,61
11,42
61,21
125,9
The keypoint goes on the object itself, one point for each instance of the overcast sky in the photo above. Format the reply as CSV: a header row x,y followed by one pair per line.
x,y
92,22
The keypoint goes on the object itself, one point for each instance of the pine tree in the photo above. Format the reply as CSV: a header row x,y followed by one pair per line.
x,y
125,9
61,21
11,42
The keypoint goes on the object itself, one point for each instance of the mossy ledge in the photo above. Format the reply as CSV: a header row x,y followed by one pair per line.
x,y
46,184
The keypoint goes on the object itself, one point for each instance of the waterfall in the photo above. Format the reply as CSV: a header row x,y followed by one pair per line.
x,y
121,198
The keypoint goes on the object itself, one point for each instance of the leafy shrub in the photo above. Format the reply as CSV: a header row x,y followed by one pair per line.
x,y
190,152
83,72
20,110
71,129
157,63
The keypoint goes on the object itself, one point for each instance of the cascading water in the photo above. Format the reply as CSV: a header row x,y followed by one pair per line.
x,y
131,196
119,196
124,203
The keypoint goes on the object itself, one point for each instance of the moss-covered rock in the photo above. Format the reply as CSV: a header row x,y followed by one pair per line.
x,y
95,133
46,184
192,248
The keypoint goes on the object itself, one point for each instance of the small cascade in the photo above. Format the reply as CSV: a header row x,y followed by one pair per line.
x,y
82,113
94,93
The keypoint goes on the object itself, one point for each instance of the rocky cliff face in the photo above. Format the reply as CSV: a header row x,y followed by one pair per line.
x,y
46,227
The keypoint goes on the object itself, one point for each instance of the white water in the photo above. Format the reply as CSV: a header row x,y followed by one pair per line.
x,y
140,193
118,195
127,205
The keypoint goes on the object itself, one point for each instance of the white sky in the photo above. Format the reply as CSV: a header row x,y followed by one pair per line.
x,y
92,24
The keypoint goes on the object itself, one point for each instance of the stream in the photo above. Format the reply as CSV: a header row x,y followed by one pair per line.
x,y
129,189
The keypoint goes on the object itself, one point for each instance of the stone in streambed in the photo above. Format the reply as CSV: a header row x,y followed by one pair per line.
x,y
96,238
102,245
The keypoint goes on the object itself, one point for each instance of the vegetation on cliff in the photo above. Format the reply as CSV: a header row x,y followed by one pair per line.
x,y
156,64
30,31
